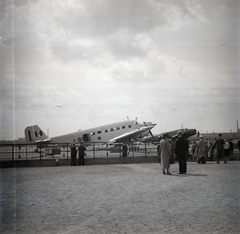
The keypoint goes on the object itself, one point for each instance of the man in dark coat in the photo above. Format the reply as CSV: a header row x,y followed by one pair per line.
x,y
124,153
181,150
73,154
220,149
81,153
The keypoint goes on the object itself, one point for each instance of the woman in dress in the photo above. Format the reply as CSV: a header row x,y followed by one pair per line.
x,y
165,155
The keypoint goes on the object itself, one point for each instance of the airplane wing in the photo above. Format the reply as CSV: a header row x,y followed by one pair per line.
x,y
172,134
130,135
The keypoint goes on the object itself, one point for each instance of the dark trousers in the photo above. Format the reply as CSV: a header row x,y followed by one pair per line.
x,y
182,164
73,160
81,160
220,154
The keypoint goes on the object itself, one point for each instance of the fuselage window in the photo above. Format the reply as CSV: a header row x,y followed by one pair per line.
x,y
111,130
123,127
99,132
93,133
129,126
106,130
118,128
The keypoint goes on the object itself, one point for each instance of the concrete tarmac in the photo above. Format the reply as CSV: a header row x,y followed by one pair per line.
x,y
121,198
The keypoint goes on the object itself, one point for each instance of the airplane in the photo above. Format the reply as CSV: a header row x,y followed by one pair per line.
x,y
172,134
112,133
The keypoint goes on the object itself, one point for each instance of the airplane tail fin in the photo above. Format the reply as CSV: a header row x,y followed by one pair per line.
x,y
34,134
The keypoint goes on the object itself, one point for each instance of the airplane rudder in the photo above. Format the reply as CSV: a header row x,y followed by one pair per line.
x,y
34,133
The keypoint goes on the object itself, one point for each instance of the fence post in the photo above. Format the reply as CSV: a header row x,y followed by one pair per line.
x,y
19,151
40,152
133,148
120,151
145,149
93,149
107,150
26,152
12,153
67,151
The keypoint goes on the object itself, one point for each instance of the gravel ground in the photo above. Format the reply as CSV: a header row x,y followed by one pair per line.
x,y
131,198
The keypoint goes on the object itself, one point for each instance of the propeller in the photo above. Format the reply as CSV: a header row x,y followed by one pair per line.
x,y
150,133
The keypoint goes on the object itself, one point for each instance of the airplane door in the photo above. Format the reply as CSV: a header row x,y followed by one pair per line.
x,y
86,137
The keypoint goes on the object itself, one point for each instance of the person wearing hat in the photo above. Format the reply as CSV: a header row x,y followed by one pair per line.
x,y
201,150
81,153
165,155
73,154
181,150
220,149
124,153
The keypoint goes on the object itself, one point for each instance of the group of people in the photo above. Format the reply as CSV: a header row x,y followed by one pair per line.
x,y
166,152
81,153
181,149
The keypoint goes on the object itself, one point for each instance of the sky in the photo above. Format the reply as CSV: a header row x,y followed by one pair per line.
x,y
67,65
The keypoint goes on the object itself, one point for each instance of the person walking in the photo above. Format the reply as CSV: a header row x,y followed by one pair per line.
x,y
81,153
159,153
165,155
201,150
181,149
73,154
124,153
239,149
220,149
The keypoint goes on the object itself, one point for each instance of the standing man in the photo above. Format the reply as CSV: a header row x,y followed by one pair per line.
x,y
159,153
124,153
220,149
201,151
230,148
73,154
172,147
181,150
81,153
239,149
165,155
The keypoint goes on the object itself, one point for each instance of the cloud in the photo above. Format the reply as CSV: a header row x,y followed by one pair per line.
x,y
105,60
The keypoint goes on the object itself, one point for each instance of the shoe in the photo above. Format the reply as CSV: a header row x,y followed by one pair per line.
x,y
180,173
225,162
169,173
164,173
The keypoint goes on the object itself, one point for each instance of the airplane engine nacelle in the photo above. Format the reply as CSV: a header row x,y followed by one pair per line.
x,y
144,134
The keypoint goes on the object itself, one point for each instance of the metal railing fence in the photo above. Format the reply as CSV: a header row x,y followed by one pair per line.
x,y
16,152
